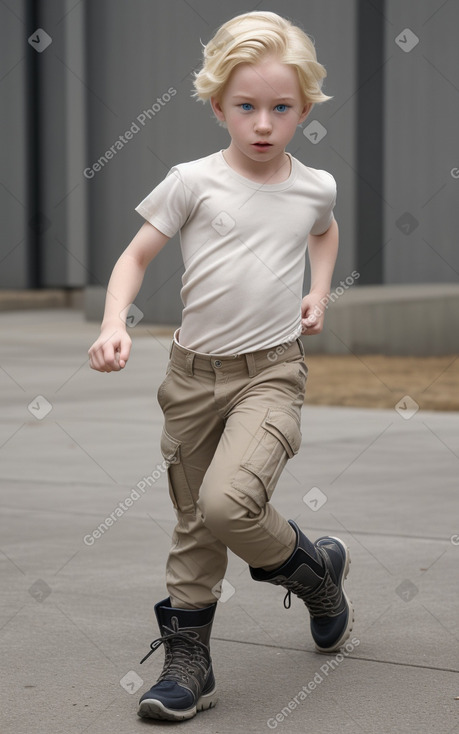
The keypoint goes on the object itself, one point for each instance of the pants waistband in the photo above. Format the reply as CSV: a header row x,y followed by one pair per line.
x,y
253,362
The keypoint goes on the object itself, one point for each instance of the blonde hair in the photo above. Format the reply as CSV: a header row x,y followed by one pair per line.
x,y
249,37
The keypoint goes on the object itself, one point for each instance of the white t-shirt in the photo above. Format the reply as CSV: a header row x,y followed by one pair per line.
x,y
243,247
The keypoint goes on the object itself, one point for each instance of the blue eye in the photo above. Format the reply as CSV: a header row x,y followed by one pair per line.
x,y
284,107
245,106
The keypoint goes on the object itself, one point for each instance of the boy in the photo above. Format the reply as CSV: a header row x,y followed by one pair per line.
x,y
235,382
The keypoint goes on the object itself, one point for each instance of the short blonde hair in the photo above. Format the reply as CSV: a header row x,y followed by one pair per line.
x,y
249,37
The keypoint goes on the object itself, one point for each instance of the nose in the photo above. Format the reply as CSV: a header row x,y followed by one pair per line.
x,y
263,122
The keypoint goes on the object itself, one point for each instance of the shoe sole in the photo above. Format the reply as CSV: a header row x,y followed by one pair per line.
x,y
153,708
351,618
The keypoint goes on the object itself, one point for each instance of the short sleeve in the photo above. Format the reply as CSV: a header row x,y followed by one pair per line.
x,y
166,206
325,209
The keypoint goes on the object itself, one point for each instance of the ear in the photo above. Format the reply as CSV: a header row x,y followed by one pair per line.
x,y
304,112
217,108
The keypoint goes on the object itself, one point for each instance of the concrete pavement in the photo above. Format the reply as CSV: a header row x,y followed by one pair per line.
x,y
76,610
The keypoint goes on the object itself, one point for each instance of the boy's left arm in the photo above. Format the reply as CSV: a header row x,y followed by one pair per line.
x,y
323,250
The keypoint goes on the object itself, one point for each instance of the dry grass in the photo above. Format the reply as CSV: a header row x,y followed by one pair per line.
x,y
377,381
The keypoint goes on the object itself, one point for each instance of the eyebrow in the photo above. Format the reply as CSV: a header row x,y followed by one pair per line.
x,y
276,99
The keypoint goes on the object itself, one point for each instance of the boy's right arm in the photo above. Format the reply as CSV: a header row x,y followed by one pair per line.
x,y
110,351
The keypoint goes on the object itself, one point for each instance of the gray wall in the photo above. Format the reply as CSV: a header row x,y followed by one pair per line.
x,y
421,149
109,61
13,134
43,129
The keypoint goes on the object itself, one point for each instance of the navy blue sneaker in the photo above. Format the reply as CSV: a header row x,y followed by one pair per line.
x,y
186,684
315,572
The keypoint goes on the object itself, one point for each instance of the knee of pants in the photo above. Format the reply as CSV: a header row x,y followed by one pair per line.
x,y
220,509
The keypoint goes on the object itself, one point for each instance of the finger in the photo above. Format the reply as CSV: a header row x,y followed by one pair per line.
x,y
97,361
97,365
124,353
94,356
109,356
93,361
118,361
311,330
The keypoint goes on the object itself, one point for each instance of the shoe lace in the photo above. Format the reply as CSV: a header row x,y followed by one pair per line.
x,y
185,654
321,602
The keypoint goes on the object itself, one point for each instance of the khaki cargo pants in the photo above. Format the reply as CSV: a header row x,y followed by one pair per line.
x,y
231,424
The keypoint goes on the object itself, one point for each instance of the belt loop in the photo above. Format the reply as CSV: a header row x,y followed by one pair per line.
x,y
300,344
251,366
189,359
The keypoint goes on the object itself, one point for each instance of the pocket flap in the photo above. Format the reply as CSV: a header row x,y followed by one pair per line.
x,y
286,428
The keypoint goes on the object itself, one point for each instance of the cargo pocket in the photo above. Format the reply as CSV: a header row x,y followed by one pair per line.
x,y
179,489
276,441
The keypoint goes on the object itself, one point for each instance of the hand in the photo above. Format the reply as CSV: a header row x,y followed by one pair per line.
x,y
111,350
313,313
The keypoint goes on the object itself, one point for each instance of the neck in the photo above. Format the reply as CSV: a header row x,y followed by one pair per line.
x,y
276,170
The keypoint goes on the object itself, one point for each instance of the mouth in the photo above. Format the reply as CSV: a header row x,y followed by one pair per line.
x,y
261,145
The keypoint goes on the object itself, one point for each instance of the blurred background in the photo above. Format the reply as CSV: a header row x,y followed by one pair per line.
x,y
97,106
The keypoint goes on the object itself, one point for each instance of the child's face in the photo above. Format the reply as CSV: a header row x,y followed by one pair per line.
x,y
261,103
